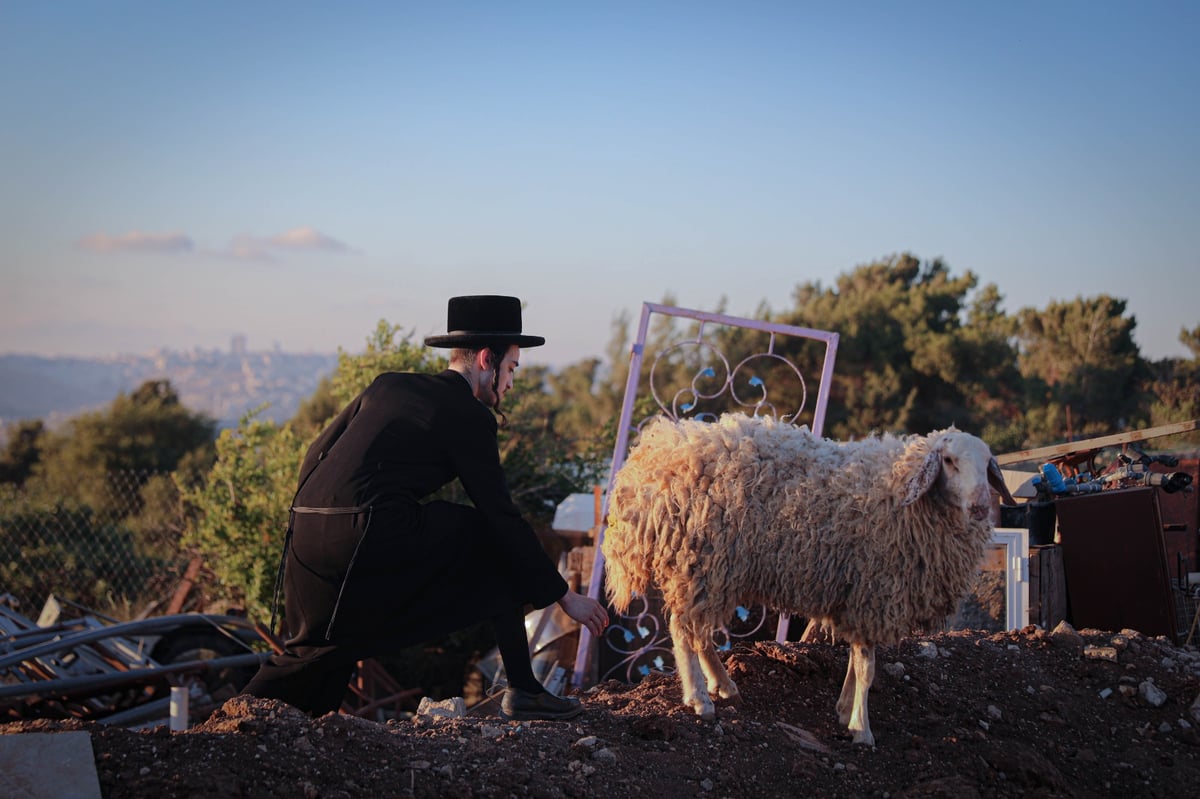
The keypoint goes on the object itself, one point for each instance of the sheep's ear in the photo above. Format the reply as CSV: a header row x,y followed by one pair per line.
x,y
923,478
996,481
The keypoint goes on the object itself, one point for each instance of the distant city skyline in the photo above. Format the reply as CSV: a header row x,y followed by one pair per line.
x,y
223,384
176,174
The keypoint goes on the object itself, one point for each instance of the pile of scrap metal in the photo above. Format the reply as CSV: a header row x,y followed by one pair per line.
x,y
95,668
1124,471
1073,468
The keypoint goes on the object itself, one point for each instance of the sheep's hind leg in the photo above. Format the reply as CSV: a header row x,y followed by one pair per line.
x,y
862,666
719,683
845,702
691,678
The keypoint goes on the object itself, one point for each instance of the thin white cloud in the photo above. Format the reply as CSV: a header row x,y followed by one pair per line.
x,y
242,247
245,247
307,238
137,241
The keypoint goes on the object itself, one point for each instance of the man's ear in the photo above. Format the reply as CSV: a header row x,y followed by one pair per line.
x,y
483,359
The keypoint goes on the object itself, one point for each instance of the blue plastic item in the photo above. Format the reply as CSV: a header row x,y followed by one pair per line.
x,y
1054,478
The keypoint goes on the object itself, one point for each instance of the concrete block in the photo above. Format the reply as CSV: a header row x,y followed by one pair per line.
x,y
45,765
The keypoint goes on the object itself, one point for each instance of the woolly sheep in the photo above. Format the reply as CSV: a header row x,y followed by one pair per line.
x,y
874,538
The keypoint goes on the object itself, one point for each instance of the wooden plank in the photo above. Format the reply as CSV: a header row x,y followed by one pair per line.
x,y
185,586
1116,440
1047,587
1181,519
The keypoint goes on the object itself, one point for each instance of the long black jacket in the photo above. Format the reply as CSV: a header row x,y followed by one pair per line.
x,y
396,568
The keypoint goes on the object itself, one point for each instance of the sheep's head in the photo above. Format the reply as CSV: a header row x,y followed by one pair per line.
x,y
962,468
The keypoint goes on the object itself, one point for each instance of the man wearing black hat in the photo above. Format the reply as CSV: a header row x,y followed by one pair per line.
x,y
370,568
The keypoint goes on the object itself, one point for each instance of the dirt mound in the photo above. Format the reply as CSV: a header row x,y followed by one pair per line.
x,y
957,715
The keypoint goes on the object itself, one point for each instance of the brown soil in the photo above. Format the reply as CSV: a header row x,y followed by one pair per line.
x,y
956,715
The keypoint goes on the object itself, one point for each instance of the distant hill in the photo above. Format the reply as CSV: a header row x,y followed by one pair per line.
x,y
223,385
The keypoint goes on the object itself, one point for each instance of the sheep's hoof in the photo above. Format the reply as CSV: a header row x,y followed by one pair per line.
x,y
729,692
726,700
705,709
864,737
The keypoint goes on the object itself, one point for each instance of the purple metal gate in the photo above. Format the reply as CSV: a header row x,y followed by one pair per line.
x,y
639,641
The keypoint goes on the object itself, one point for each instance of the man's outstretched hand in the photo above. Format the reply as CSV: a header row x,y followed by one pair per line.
x,y
585,610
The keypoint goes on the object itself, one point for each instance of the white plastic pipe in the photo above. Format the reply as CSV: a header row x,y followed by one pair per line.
x,y
179,708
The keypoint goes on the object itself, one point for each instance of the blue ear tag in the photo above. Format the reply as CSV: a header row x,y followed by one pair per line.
x,y
742,613
756,381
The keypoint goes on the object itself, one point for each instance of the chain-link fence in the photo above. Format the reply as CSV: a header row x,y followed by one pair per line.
x,y
113,547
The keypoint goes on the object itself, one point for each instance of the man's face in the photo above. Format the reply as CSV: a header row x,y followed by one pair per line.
x,y
506,369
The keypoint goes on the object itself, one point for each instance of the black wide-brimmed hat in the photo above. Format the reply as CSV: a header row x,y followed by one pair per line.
x,y
482,320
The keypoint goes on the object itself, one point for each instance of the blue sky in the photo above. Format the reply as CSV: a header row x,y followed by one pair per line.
x,y
173,173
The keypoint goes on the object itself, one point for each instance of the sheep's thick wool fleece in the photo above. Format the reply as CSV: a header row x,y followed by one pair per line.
x,y
751,510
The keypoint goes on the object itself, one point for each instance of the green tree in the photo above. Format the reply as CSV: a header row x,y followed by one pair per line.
x,y
97,517
1081,368
1191,340
1173,391
237,516
316,410
23,450
71,553
387,351
913,354
159,525
101,457
994,391
584,403
543,462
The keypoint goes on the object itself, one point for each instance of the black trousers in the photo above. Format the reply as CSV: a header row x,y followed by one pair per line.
x,y
412,579
313,679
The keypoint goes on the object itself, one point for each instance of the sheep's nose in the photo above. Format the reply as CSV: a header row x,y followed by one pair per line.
x,y
981,503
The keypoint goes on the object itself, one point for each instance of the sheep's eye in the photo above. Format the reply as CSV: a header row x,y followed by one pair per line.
x,y
948,460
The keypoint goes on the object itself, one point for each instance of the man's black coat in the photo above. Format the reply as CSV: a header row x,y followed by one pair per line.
x,y
405,569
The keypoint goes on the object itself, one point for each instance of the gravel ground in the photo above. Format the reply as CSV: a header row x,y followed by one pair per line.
x,y
1028,713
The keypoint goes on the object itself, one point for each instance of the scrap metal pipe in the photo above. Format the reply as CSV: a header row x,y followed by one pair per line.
x,y
157,625
94,683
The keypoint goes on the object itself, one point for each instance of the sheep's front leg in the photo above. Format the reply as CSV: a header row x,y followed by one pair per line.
x,y
859,676
691,678
719,683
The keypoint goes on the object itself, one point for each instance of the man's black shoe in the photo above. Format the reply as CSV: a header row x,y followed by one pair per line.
x,y
518,705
